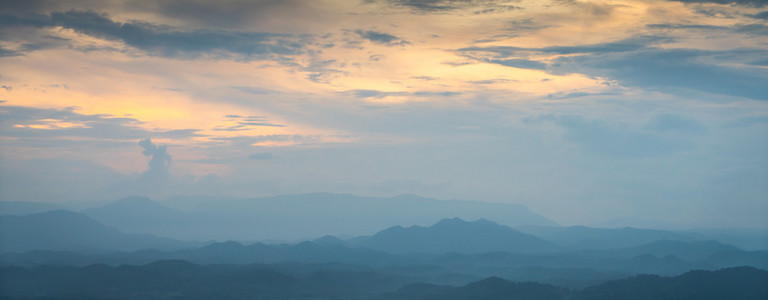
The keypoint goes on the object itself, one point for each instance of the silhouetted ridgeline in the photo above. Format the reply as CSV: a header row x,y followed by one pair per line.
x,y
175,279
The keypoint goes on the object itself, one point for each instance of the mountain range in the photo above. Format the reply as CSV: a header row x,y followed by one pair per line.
x,y
110,251
295,217
453,235
65,230
173,279
451,251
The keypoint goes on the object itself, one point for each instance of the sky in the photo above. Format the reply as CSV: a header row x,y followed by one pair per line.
x,y
584,111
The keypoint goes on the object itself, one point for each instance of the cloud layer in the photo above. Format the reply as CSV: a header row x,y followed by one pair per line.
x,y
582,110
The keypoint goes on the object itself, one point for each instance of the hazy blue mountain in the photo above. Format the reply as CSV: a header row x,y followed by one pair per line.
x,y
304,252
294,217
695,250
65,230
141,215
26,208
582,237
453,235
291,217
728,259
492,288
744,283
745,238
176,279
329,240
651,264
618,223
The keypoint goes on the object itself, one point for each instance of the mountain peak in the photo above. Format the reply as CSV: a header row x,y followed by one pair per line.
x,y
455,221
328,240
455,235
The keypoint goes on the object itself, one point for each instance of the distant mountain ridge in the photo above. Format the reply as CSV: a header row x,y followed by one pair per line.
x,y
453,235
140,215
66,230
582,237
294,217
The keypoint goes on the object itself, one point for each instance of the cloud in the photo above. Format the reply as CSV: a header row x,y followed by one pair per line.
x,y
7,52
161,40
671,69
244,123
443,6
225,13
426,5
579,95
366,94
638,62
519,63
625,45
44,123
159,163
381,38
753,3
763,15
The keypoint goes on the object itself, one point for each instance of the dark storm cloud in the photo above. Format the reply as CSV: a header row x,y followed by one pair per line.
x,y
164,40
381,38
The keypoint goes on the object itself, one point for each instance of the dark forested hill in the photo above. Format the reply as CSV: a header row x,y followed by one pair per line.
x,y
733,283
176,279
